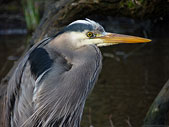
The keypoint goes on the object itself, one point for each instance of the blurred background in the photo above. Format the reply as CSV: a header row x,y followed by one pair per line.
x,y
132,74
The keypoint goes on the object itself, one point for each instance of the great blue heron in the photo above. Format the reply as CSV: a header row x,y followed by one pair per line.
x,y
52,81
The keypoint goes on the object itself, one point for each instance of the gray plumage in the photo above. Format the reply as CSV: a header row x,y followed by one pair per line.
x,y
51,83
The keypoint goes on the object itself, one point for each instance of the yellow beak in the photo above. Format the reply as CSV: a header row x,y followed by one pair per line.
x,y
113,38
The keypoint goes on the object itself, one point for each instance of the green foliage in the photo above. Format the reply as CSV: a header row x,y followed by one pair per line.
x,y
134,3
31,11
130,4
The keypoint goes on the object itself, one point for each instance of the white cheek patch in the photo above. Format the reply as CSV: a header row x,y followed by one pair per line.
x,y
79,39
90,41
75,36
105,44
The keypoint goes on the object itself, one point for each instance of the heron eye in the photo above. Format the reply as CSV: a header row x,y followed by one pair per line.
x,y
90,34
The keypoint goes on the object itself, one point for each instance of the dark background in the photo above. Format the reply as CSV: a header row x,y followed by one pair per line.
x,y
132,74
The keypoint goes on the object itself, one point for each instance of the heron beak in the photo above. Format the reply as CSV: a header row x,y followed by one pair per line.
x,y
113,38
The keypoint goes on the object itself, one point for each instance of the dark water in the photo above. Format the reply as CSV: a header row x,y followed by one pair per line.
x,y
131,77
11,47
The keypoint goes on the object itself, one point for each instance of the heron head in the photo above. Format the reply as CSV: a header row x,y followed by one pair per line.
x,y
86,32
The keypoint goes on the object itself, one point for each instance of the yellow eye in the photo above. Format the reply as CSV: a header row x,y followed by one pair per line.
x,y
90,34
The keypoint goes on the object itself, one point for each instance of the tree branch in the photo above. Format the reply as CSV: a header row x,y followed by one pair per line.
x,y
157,114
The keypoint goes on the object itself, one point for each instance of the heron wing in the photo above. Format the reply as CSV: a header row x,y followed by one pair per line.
x,y
15,87
34,96
61,95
